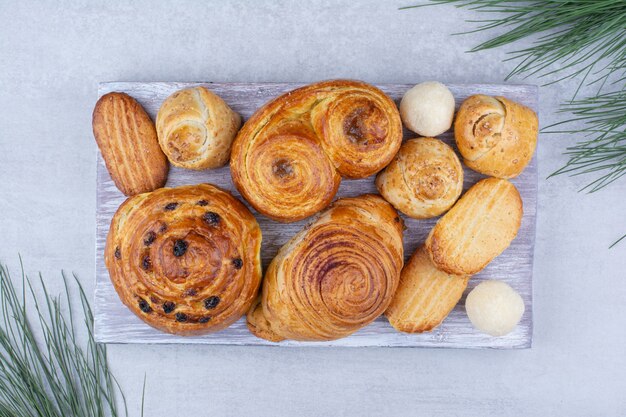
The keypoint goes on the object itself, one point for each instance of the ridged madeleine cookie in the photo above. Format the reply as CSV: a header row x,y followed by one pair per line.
x,y
425,296
335,276
478,228
128,142
196,128
424,179
496,136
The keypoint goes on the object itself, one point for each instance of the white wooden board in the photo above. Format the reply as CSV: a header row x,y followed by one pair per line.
x,y
115,324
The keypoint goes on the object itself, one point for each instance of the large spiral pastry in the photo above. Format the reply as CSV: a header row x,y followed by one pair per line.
x,y
335,276
288,159
185,260
496,136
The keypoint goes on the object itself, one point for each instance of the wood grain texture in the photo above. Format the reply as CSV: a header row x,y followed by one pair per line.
x,y
115,324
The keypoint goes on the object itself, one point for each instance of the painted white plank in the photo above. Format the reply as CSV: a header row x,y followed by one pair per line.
x,y
115,324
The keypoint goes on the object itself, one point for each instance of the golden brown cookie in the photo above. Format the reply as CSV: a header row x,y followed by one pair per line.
x,y
128,142
425,295
478,228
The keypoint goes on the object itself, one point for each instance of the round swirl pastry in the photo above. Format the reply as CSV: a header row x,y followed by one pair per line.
x,y
185,260
335,276
288,159
196,129
424,179
496,136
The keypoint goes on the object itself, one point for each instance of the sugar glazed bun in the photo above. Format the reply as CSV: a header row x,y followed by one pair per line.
x,y
496,136
428,108
196,129
425,295
289,157
128,142
424,179
478,228
335,276
494,307
185,260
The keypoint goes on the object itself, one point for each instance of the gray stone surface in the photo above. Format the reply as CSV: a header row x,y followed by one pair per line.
x,y
52,56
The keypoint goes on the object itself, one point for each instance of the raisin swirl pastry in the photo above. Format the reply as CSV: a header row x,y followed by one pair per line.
x,y
335,276
185,260
289,157
496,136
424,180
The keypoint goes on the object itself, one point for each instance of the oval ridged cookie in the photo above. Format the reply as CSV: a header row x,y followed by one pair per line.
x,y
128,142
478,228
425,295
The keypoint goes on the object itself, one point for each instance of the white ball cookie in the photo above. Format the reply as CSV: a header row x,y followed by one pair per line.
x,y
428,108
494,307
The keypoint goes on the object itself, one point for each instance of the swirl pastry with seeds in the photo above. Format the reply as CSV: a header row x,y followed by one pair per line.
x,y
424,179
335,276
496,136
185,260
288,159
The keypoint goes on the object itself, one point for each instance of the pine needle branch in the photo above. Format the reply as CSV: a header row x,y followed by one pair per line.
x,y
53,375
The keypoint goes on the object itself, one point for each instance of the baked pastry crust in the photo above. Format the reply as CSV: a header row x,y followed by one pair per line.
x,y
479,227
185,260
335,276
288,159
496,136
424,179
196,128
425,295
128,142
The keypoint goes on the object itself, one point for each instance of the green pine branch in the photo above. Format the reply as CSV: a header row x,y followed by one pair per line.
x,y
45,371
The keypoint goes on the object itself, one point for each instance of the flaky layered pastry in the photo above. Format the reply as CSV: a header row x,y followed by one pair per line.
x,y
128,142
425,295
288,159
185,260
335,276
478,228
196,128
496,136
424,179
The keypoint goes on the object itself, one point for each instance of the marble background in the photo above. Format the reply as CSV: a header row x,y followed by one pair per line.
x,y
53,54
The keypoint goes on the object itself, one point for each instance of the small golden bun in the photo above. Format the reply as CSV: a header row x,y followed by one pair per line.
x,y
496,136
196,129
424,179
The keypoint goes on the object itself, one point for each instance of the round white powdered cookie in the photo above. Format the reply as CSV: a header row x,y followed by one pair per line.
x,y
494,307
428,108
